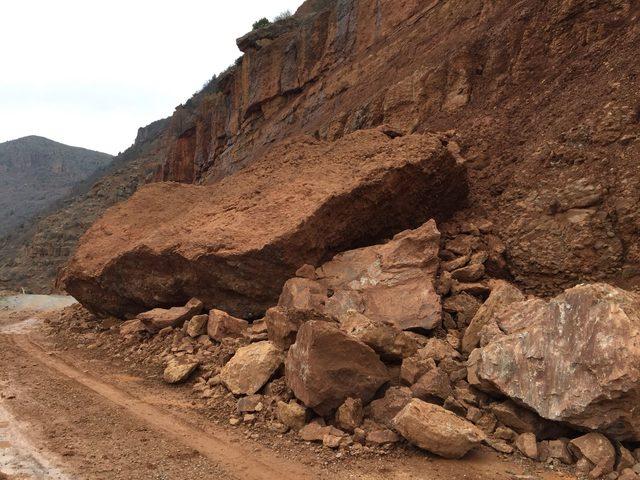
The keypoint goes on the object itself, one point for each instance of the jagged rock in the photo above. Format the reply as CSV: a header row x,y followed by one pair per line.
x,y
437,430
596,448
572,359
283,324
387,341
197,326
326,366
384,410
463,305
315,432
625,459
559,449
414,367
250,404
160,318
502,294
527,444
382,437
391,283
470,273
433,385
131,327
251,368
178,372
235,243
292,414
350,414
499,445
628,474
222,325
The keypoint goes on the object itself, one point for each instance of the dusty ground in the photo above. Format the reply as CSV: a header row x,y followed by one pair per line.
x,y
67,412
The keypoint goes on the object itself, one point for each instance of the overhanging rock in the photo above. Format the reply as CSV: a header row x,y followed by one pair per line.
x,y
234,244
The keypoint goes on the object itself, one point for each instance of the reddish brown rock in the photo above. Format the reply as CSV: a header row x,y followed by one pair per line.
x,y
387,341
222,325
234,244
160,318
384,410
197,325
527,444
326,366
437,430
391,284
251,368
283,324
596,448
573,359
433,385
350,414
502,294
292,414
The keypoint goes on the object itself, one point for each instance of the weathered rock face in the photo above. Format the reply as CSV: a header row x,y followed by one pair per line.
x,y
437,430
326,366
389,283
574,359
234,244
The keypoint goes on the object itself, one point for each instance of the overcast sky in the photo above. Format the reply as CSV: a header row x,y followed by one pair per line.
x,y
88,73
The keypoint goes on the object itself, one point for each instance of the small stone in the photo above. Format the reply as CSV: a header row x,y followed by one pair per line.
x,y
178,372
499,445
248,418
527,445
291,414
432,385
221,325
197,326
331,441
350,414
596,448
505,433
234,421
249,404
559,450
382,437
470,273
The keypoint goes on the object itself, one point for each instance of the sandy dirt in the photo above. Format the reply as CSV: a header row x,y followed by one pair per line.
x,y
67,413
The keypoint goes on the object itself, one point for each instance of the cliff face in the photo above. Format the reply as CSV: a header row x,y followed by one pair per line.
x,y
35,172
30,258
541,97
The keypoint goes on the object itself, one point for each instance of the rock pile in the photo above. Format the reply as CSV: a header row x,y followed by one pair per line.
x,y
349,359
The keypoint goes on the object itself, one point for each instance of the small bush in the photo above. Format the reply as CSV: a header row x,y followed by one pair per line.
x,y
282,16
263,22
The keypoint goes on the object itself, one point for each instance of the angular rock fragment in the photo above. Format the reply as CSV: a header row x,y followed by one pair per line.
x,y
596,448
391,283
350,414
283,324
437,430
177,372
292,414
235,243
502,294
573,359
222,325
160,318
528,445
432,386
251,368
384,410
326,366
197,326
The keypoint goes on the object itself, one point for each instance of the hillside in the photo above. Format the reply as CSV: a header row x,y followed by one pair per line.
x,y
35,172
30,257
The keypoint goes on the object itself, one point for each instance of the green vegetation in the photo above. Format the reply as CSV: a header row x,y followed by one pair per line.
x,y
263,22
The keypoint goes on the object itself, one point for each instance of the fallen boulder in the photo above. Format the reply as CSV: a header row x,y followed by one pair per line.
x,y
437,430
179,371
326,366
391,283
251,368
574,359
234,244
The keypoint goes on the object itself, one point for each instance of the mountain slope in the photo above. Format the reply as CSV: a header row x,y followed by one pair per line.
x,y
35,172
30,257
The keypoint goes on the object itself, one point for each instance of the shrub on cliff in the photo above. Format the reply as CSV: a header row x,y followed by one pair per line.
x,y
263,22
282,16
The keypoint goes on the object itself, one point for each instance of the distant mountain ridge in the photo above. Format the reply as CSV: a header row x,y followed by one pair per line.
x,y
35,172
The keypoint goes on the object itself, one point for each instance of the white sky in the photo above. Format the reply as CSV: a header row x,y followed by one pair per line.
x,y
89,73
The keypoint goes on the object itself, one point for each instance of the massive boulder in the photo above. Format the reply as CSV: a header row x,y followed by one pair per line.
x,y
326,366
234,244
574,359
389,283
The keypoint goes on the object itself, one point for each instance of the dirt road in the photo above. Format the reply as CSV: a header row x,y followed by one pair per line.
x,y
67,415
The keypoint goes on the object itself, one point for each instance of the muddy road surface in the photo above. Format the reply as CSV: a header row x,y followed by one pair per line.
x,y
67,413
